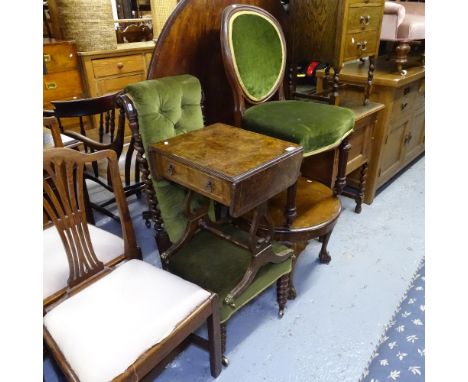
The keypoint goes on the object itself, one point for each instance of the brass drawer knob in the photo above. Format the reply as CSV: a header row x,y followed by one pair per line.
x,y
209,186
47,58
120,65
362,45
365,20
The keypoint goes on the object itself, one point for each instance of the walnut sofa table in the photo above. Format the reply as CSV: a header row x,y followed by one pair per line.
x,y
237,168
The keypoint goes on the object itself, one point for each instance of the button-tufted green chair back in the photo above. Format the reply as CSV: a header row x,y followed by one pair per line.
x,y
168,107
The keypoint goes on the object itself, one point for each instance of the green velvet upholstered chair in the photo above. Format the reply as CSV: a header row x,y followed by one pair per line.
x,y
254,55
160,109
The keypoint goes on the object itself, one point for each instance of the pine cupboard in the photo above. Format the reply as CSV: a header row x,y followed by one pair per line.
x,y
399,135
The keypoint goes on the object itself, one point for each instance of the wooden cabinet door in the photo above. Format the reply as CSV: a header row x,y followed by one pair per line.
x,y
392,151
414,137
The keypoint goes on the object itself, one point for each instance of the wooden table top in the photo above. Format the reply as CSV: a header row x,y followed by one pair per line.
x,y
238,168
228,152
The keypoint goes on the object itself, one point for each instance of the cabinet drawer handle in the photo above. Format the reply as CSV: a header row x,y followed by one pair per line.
x,y
120,65
406,90
365,20
403,106
209,186
51,85
47,58
362,45
171,169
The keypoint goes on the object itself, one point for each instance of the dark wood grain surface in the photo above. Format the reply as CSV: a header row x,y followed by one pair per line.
x,y
238,168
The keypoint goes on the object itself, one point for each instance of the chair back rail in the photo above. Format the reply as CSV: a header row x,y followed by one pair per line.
x,y
269,38
64,204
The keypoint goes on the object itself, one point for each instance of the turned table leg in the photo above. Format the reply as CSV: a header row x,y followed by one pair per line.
x,y
291,210
362,188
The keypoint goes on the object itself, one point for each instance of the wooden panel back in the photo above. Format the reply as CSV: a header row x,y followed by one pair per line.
x,y
190,44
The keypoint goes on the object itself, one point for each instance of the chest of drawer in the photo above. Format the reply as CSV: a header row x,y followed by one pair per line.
x,y
360,44
404,101
60,86
362,19
105,67
59,57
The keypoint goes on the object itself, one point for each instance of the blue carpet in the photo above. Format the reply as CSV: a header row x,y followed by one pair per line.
x,y
400,355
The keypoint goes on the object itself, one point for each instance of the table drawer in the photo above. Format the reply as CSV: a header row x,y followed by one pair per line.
x,y
60,86
362,19
213,188
105,67
60,57
360,45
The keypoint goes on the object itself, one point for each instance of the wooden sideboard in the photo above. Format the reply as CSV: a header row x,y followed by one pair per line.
x,y
107,71
334,32
400,132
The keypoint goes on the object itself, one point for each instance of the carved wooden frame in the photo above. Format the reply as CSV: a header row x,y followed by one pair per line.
x,y
240,96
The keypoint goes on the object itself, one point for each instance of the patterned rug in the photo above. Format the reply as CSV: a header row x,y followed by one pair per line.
x,y
400,354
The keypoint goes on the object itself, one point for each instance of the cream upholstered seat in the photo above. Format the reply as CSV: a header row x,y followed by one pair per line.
x,y
103,329
111,322
55,269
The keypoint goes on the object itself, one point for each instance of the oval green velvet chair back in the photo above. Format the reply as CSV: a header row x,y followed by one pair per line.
x,y
254,49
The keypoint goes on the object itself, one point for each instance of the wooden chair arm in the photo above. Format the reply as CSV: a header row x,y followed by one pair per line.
x,y
95,145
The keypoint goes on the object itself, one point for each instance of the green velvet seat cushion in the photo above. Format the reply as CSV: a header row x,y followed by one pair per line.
x,y
258,54
315,126
218,265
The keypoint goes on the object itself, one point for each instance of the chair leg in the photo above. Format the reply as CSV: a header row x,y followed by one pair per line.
x,y
324,256
224,359
282,289
214,339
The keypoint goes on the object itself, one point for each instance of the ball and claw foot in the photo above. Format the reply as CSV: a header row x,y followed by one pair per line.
x,y
292,294
281,313
324,257
225,361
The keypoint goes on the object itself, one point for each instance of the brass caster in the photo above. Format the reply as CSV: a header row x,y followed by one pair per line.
x,y
225,361
281,313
